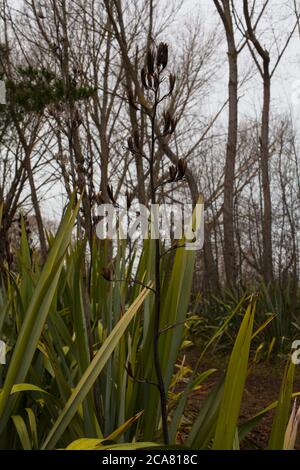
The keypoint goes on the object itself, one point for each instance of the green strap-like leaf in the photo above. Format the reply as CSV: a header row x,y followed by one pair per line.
x,y
281,417
36,315
92,372
22,432
234,385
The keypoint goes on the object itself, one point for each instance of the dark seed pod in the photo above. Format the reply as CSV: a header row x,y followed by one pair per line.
x,y
162,55
172,80
150,81
168,120
143,78
130,145
150,61
111,194
173,125
173,172
107,274
182,166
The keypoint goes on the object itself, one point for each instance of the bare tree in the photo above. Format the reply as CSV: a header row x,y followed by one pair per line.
x,y
259,52
224,11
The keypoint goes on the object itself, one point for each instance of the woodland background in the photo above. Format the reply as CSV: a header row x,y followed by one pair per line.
x,y
71,68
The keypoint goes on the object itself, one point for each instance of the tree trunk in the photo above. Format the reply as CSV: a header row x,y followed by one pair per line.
x,y
211,275
36,207
228,206
267,213
264,142
228,218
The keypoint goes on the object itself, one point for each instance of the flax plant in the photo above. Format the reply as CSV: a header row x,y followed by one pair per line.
x,y
159,86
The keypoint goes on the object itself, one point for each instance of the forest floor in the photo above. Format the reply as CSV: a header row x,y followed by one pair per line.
x,y
262,388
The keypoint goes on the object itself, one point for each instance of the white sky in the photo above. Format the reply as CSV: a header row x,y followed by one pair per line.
x,y
286,82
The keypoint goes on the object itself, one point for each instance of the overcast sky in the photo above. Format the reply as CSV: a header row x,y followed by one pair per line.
x,y
286,82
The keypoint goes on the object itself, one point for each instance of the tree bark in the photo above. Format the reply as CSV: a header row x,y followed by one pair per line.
x,y
264,143
36,207
228,206
267,214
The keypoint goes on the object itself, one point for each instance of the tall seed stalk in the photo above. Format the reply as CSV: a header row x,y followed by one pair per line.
x,y
153,78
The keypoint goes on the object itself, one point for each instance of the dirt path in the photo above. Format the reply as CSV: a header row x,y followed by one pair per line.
x,y
262,388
